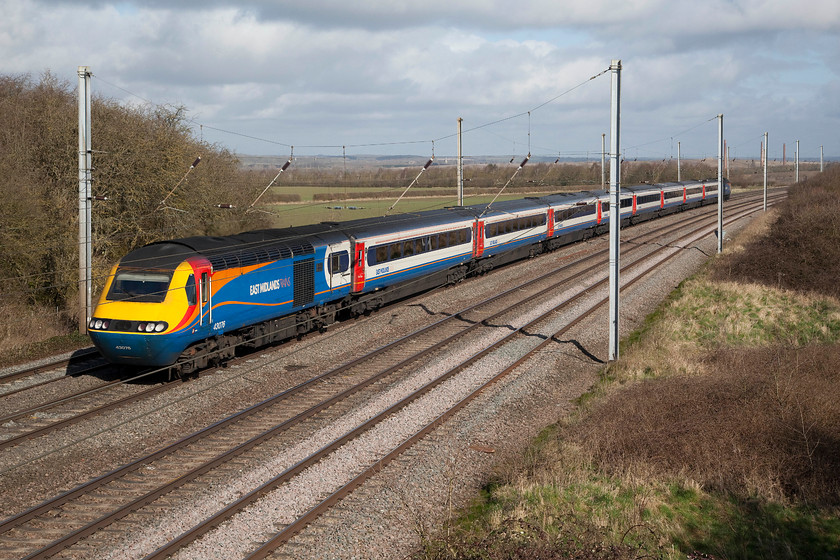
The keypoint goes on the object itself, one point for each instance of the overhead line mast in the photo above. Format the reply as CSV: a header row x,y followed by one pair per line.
x,y
85,164
615,211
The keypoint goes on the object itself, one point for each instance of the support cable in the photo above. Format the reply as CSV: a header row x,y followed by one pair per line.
x,y
163,202
518,169
271,184
425,167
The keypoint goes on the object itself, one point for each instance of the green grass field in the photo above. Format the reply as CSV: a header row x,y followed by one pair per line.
x,y
311,212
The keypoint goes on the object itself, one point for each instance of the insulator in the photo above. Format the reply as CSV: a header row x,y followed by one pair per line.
x,y
196,162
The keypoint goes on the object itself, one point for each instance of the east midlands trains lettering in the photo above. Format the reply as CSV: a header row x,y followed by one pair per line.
x,y
270,286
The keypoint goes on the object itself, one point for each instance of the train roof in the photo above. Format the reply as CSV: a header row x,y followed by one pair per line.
x,y
365,227
254,247
242,249
569,197
502,207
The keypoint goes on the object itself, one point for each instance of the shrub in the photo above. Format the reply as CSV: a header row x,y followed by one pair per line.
x,y
765,422
804,251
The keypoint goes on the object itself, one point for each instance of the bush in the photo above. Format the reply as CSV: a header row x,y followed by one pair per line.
x,y
279,198
804,251
765,423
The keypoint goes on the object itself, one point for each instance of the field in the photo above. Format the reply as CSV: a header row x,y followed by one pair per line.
x,y
309,211
308,196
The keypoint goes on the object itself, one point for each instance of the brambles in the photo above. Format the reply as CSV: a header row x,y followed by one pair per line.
x,y
804,251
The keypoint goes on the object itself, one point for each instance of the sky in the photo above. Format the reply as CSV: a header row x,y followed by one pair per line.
x,y
341,77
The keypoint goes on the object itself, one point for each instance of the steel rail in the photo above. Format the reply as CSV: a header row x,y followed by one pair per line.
x,y
54,380
230,510
34,370
218,425
299,524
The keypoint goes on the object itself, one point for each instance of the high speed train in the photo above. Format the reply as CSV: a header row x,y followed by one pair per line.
x,y
189,303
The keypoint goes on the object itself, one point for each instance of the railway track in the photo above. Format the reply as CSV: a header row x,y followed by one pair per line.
x,y
275,428
61,363
85,362
25,423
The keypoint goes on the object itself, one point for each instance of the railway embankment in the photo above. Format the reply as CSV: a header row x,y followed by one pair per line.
x,y
716,433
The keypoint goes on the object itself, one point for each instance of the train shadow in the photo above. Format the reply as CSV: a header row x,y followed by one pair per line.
x,y
88,363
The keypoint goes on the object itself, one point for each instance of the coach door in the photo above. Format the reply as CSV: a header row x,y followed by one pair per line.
x,y
478,236
204,282
358,267
338,271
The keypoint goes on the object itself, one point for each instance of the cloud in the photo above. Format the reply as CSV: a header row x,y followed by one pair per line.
x,y
329,72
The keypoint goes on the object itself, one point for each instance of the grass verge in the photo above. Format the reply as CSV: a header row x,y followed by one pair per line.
x,y
715,435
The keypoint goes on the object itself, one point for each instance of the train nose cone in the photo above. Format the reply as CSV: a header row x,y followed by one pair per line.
x,y
120,347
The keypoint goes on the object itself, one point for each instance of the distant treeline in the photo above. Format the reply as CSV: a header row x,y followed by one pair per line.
x,y
488,178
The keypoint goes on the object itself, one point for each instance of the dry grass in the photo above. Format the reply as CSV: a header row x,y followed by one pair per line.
x,y
30,332
764,422
718,429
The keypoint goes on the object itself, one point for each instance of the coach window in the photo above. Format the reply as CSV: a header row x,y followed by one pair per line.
x,y
396,250
205,287
340,262
190,289
381,254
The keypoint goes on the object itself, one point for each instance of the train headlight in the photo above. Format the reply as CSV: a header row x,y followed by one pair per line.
x,y
152,326
99,324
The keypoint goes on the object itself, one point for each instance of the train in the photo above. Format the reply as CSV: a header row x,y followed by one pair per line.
x,y
190,303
